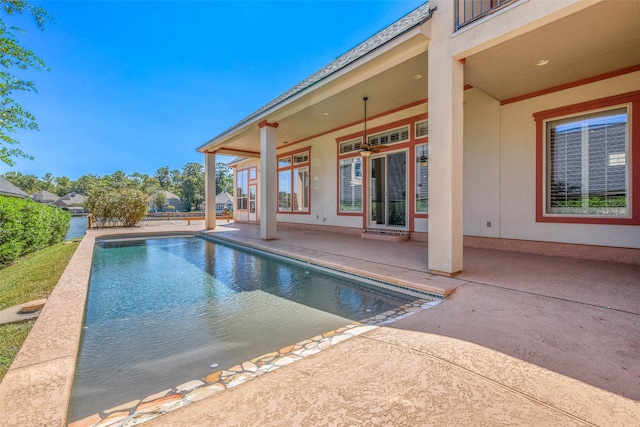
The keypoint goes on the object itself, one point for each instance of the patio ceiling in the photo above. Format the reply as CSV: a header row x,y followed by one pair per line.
x,y
338,102
599,39
394,88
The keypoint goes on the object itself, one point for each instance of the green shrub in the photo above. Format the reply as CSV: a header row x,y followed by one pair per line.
x,y
26,226
113,207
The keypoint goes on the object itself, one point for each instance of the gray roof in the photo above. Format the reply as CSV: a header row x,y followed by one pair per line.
x,y
167,195
404,24
224,197
71,199
8,189
43,196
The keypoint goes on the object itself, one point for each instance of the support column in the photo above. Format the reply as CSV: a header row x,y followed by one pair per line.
x,y
268,181
446,87
210,191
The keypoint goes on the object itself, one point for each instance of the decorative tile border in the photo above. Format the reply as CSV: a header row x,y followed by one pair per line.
x,y
139,411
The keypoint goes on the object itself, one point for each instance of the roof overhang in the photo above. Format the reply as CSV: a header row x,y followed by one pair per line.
x,y
335,100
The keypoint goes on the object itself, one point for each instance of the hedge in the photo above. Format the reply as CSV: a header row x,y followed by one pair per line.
x,y
115,207
27,226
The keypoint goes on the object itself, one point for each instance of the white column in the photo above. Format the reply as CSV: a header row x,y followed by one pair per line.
x,y
210,191
446,87
268,181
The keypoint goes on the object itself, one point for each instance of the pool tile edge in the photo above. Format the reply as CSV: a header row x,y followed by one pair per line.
x,y
161,403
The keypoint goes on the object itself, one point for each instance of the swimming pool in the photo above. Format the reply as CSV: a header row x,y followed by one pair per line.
x,y
162,311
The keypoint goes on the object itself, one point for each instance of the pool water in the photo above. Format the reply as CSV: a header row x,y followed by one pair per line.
x,y
164,311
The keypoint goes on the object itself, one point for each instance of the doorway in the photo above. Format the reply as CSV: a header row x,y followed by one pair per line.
x,y
253,215
388,191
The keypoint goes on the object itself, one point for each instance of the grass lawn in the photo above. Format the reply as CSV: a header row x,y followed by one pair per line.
x,y
31,277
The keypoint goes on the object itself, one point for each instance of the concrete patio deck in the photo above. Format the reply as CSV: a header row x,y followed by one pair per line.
x,y
523,340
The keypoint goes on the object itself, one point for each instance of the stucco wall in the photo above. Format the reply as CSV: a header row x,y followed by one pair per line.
x,y
481,164
500,168
323,174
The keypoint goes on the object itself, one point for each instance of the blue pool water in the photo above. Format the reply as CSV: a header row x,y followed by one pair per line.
x,y
160,312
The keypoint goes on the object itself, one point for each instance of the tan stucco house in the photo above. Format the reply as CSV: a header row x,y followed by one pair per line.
x,y
511,124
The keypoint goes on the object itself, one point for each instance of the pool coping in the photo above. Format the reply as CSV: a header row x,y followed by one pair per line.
x,y
37,387
160,403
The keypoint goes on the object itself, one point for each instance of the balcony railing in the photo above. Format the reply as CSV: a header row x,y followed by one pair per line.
x,y
468,11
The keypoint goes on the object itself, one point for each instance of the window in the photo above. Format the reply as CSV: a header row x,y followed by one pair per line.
x,y
293,183
301,189
253,174
350,146
389,137
350,184
284,190
301,158
586,168
422,129
242,187
422,179
588,162
283,162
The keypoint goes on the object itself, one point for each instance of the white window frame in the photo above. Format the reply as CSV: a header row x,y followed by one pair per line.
x,y
356,174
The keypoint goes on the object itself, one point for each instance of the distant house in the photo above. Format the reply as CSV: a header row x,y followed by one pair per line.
x,y
224,201
172,202
43,196
72,202
10,190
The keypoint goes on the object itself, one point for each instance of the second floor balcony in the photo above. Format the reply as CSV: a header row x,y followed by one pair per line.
x,y
468,11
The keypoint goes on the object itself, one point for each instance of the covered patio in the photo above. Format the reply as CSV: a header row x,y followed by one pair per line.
x,y
430,128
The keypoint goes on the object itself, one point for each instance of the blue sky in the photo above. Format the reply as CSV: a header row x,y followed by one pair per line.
x,y
137,85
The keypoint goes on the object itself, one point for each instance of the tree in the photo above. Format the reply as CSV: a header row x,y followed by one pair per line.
x,y
63,184
117,179
176,181
159,200
150,185
224,178
48,179
15,57
193,185
163,177
85,184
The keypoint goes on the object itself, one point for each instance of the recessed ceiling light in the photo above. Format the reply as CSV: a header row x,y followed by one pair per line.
x,y
417,76
325,114
542,62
